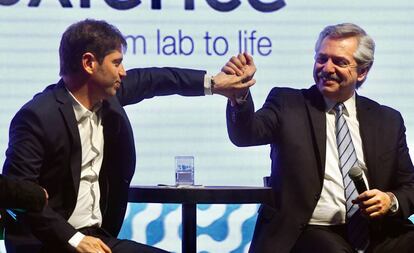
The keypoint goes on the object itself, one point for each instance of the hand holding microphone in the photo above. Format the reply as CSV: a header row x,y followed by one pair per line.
x,y
373,203
355,173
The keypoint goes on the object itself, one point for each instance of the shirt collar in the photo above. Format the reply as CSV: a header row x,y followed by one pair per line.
x,y
81,111
350,106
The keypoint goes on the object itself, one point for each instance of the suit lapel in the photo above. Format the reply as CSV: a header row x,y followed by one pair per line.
x,y
66,109
111,117
367,121
316,109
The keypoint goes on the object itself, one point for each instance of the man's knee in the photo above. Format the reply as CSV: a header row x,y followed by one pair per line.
x,y
321,240
402,243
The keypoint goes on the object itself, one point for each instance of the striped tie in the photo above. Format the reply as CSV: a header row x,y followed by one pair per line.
x,y
357,225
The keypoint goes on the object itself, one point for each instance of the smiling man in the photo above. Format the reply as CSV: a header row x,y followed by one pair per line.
x,y
317,135
75,140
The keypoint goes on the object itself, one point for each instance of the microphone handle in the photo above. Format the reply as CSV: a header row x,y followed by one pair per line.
x,y
360,185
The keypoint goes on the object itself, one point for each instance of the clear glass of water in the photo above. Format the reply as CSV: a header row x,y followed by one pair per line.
x,y
184,170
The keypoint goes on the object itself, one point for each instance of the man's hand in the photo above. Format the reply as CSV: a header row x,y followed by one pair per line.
x,y
91,244
374,203
236,77
241,65
231,86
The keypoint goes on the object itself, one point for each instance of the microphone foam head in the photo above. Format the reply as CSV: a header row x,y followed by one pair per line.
x,y
355,173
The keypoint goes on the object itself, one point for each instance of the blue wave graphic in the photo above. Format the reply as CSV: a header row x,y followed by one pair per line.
x,y
220,228
155,229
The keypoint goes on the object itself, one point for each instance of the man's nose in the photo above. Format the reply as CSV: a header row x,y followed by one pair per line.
x,y
329,66
122,72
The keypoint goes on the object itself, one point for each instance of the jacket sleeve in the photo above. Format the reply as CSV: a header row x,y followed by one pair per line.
x,y
403,180
249,128
146,83
25,158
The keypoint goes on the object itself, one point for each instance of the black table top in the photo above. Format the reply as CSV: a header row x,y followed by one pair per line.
x,y
200,194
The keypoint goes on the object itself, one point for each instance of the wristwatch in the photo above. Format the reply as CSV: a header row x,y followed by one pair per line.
x,y
394,203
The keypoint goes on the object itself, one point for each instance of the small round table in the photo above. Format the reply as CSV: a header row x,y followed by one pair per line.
x,y
189,197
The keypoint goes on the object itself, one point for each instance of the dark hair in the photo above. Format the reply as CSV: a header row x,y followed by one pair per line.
x,y
95,36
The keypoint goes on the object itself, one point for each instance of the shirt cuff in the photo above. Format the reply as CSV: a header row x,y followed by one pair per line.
x,y
243,99
207,84
76,239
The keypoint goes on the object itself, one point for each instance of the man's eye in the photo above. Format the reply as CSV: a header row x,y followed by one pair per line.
x,y
321,59
342,64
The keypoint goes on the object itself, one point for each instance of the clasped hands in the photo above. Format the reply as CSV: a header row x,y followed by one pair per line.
x,y
235,77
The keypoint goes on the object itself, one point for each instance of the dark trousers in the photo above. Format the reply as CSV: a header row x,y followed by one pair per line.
x,y
397,238
327,239
120,246
116,245
333,239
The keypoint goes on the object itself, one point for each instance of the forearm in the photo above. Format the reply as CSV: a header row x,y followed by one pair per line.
x,y
50,226
239,119
402,185
248,128
144,83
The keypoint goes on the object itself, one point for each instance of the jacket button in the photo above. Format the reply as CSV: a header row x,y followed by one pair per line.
x,y
317,196
302,226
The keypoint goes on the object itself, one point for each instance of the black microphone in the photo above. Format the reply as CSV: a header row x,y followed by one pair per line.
x,y
355,173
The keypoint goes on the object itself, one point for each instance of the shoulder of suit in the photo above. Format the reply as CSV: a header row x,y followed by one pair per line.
x,y
374,104
377,107
42,100
285,91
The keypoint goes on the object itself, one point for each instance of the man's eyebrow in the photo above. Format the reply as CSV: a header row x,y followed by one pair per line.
x,y
333,56
340,58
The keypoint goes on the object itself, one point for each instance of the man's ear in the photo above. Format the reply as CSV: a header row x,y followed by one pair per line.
x,y
88,62
362,74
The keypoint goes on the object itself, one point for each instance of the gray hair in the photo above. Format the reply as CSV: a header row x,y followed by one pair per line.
x,y
364,55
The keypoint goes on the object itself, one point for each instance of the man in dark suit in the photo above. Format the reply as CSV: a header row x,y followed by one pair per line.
x,y
303,129
76,141
21,194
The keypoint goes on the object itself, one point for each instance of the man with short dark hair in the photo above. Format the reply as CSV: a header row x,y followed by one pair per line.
x,y
317,136
76,141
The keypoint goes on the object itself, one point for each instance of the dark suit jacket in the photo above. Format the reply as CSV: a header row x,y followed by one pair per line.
x,y
45,148
21,194
293,122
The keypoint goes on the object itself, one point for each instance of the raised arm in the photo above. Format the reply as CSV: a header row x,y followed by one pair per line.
x,y
144,83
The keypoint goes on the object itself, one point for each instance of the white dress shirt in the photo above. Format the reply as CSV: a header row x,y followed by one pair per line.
x,y
87,212
331,207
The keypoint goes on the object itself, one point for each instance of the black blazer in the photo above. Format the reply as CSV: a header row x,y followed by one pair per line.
x,y
293,122
44,147
21,194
